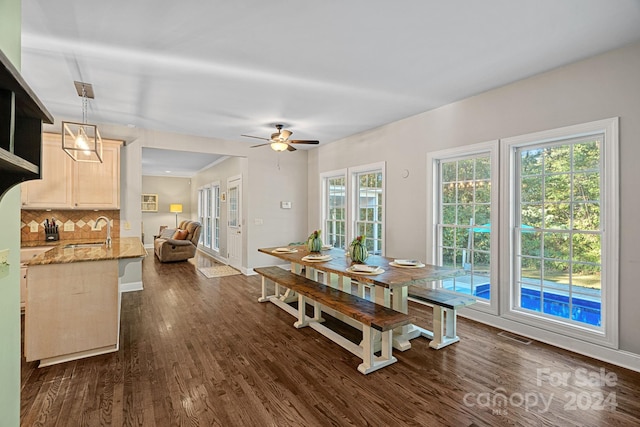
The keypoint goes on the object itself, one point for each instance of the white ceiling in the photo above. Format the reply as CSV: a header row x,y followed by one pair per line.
x,y
326,69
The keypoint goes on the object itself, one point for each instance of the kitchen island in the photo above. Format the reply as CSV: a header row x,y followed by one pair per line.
x,y
72,307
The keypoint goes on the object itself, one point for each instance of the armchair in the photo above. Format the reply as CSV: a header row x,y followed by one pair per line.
x,y
168,249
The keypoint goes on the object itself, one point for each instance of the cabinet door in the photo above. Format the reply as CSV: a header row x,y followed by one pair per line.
x,y
54,190
97,185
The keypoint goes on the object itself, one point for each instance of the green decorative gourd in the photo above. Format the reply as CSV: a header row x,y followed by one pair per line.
x,y
358,250
314,242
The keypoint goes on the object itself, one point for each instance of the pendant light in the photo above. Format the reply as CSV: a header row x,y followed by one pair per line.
x,y
82,141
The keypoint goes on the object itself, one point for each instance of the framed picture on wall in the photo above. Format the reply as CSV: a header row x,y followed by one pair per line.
x,y
149,203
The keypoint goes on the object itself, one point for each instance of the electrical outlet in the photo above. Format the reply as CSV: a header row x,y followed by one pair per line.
x,y
33,228
69,226
127,225
4,256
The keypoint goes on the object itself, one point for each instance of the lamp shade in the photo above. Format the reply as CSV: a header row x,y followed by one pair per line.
x,y
175,208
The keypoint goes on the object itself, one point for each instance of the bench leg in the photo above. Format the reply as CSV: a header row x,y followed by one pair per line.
x,y
302,315
370,362
265,297
443,333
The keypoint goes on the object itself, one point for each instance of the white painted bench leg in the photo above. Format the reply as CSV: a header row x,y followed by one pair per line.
x,y
265,297
443,333
367,350
450,328
370,362
302,316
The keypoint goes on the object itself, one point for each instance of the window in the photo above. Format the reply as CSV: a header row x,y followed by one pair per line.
x,y
206,201
368,208
563,212
464,192
216,216
353,205
201,212
335,222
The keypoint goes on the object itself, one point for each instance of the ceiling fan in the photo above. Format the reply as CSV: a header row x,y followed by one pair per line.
x,y
280,141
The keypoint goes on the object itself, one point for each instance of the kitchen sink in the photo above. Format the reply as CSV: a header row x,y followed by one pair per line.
x,y
84,245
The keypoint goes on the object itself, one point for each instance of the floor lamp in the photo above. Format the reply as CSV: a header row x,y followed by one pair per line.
x,y
176,209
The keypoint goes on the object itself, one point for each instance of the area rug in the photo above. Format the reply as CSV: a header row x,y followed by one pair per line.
x,y
218,271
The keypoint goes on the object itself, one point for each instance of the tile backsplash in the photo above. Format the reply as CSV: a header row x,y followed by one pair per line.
x,y
80,221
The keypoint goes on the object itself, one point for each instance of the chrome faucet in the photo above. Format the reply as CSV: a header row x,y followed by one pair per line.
x,y
108,241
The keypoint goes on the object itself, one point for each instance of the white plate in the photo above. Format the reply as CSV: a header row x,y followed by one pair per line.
x,y
316,258
407,262
285,250
370,272
395,264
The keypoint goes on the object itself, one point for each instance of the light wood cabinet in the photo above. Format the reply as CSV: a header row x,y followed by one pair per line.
x,y
97,185
67,184
72,311
54,190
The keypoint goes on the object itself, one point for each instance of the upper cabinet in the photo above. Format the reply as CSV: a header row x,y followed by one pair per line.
x,y
67,184
21,117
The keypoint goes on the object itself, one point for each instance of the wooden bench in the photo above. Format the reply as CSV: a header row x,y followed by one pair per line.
x,y
373,317
444,327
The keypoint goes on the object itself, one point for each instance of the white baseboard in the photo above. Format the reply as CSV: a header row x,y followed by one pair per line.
x,y
621,358
131,287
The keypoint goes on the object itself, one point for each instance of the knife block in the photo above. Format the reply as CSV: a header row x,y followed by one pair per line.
x,y
51,237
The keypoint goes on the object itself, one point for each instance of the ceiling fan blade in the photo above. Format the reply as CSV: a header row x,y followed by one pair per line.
x,y
256,137
260,145
291,148
285,134
303,141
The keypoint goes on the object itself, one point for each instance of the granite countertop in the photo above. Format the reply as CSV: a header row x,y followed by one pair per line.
x,y
125,247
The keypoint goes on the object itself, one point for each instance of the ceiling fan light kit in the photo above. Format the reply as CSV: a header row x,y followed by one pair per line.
x,y
279,146
280,141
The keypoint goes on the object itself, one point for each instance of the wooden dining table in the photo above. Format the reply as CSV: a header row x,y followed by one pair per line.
x,y
388,288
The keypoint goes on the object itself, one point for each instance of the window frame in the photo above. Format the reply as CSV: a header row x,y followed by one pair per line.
x,y
350,175
352,213
492,305
609,204
324,206
215,215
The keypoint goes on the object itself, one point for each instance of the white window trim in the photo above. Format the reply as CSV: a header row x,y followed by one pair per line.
x,y
609,335
491,147
349,175
214,200
205,229
351,212
324,176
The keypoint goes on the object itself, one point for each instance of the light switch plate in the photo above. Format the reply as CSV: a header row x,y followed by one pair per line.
x,y
285,205
69,226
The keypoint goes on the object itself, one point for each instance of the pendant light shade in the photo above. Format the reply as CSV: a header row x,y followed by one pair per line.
x,y
82,141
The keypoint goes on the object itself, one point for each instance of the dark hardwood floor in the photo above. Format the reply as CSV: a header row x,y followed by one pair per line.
x,y
203,352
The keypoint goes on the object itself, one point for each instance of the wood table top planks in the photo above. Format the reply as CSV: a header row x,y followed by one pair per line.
x,y
393,277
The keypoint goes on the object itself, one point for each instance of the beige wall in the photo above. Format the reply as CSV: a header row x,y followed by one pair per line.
x,y
169,190
604,86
